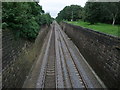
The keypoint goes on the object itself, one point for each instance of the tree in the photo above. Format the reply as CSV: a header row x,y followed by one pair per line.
x,y
70,13
105,12
92,12
113,9
46,19
23,18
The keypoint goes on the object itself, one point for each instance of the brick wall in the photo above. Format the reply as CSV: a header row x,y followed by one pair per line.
x,y
18,57
101,51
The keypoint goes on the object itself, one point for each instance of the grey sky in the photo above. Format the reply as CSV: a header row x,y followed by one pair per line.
x,y
54,6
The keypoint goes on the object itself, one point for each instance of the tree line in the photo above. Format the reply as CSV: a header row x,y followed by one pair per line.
x,y
24,18
92,12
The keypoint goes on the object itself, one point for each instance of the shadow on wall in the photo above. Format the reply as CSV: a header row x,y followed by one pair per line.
x,y
101,51
18,58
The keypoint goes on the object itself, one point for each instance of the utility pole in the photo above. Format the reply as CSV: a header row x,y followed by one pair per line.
x,y
72,16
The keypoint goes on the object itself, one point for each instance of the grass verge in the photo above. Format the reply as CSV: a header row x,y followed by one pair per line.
x,y
101,27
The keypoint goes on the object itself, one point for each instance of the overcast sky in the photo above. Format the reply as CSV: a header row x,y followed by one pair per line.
x,y
54,6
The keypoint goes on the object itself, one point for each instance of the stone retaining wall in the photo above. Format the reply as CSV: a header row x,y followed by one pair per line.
x,y
101,51
18,57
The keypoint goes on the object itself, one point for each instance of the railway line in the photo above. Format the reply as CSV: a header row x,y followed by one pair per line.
x,y
63,66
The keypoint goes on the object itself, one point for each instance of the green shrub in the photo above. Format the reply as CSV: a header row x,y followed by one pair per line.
x,y
24,18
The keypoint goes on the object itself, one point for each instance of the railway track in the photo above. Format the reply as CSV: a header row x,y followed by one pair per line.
x,y
63,66
74,75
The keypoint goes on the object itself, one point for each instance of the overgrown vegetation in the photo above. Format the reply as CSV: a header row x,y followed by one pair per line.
x,y
105,28
24,18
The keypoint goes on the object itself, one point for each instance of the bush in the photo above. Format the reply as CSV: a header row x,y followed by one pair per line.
x,y
24,18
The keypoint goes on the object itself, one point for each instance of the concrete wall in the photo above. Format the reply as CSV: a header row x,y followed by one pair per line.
x,y
18,57
101,51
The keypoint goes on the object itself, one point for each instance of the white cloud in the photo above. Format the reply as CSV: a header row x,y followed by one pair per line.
x,y
54,6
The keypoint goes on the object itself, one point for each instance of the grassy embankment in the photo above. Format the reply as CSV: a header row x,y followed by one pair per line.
x,y
101,27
